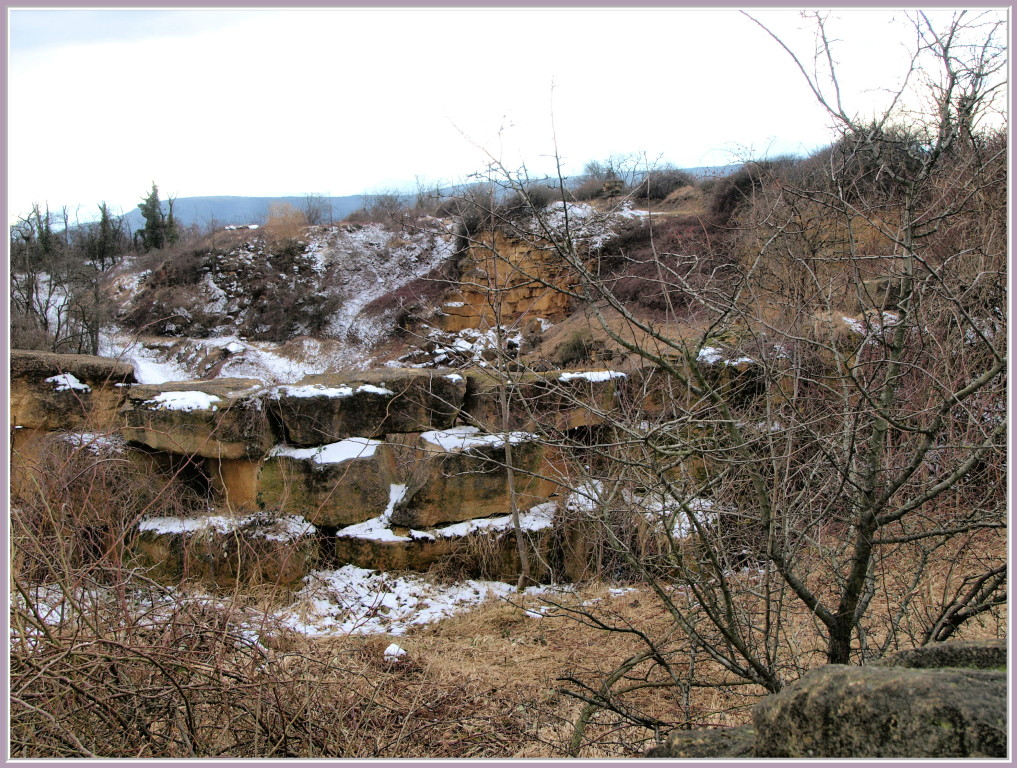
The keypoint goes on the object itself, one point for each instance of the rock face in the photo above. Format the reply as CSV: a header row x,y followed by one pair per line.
x,y
947,700
326,408
333,485
841,711
221,419
50,391
508,277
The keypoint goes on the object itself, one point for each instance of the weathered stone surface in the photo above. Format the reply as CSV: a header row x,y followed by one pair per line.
x,y
235,482
224,551
703,742
220,419
334,485
325,408
559,400
842,711
497,265
972,654
482,405
51,391
940,701
461,474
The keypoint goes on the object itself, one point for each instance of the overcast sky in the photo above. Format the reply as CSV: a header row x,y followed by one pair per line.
x,y
345,101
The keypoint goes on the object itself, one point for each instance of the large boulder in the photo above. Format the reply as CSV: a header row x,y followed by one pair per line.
x,y
843,711
325,408
219,419
945,700
332,485
462,474
52,392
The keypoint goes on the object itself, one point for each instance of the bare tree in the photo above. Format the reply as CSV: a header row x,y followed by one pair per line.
x,y
810,466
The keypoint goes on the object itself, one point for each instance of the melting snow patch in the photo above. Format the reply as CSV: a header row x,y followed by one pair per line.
x,y
320,390
466,438
183,401
287,528
673,516
538,518
100,445
710,355
592,376
379,528
713,355
67,381
333,453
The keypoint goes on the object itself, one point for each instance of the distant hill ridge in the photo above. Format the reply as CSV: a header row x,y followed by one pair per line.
x,y
235,209
227,209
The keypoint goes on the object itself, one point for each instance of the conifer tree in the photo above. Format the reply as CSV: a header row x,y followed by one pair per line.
x,y
156,232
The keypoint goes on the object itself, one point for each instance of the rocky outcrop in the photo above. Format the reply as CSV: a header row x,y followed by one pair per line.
x,y
559,400
524,278
50,391
326,408
947,700
221,419
331,451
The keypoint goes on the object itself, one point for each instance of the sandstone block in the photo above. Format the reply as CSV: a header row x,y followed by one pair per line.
x,y
224,551
476,548
219,419
462,474
332,485
559,400
50,391
325,408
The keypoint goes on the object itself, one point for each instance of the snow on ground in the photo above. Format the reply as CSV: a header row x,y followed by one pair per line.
x,y
584,223
714,355
352,600
97,444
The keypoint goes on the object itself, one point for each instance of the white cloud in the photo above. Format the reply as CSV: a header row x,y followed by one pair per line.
x,y
350,100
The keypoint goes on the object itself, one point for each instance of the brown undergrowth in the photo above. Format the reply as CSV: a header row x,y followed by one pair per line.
x,y
106,663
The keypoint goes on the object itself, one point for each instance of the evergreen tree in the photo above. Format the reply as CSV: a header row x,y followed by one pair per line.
x,y
155,233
